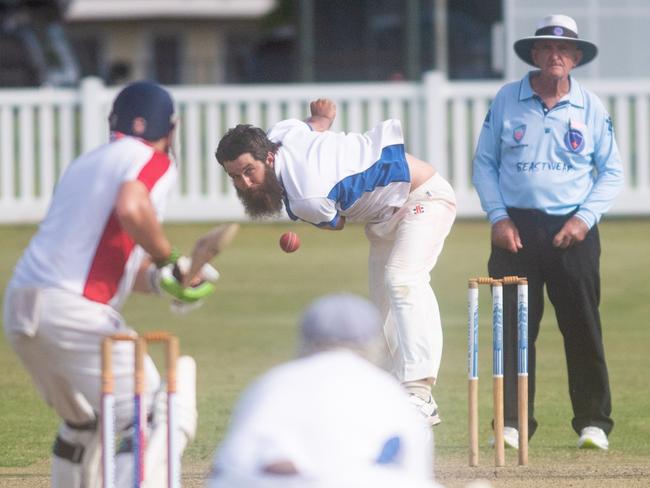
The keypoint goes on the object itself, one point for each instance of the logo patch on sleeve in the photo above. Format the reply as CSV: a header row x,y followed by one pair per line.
x,y
418,209
574,140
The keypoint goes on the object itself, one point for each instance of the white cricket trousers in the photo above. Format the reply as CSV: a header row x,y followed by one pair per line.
x,y
57,336
403,251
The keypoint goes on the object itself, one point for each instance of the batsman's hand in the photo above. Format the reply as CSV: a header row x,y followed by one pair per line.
x,y
169,279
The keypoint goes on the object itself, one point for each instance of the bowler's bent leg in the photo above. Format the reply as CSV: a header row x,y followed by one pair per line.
x,y
425,222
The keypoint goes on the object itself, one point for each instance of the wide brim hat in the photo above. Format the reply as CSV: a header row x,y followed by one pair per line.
x,y
556,27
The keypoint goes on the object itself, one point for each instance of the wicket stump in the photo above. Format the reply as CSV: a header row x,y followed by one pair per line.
x,y
140,418
497,366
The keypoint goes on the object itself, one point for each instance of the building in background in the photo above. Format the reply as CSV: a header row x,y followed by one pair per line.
x,y
170,41
620,29
57,42
373,40
261,41
34,49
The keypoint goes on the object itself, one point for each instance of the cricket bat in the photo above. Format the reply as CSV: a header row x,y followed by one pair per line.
x,y
208,246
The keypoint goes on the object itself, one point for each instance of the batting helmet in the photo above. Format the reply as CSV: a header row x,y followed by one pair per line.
x,y
150,103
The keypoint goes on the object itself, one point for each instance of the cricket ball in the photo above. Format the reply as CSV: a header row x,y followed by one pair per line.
x,y
289,242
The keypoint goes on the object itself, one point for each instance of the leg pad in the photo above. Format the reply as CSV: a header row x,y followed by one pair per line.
x,y
67,450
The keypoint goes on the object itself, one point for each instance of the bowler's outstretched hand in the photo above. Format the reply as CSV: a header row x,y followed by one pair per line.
x,y
323,113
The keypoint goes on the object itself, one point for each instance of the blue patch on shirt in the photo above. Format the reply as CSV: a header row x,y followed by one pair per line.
x,y
390,451
519,133
574,140
390,168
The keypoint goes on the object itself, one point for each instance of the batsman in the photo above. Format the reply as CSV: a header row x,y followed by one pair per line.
x,y
328,178
100,240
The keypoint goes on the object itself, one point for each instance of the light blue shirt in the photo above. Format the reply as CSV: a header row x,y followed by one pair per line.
x,y
556,160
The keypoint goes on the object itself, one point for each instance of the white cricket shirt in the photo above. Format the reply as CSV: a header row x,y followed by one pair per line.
x,y
80,245
363,177
330,412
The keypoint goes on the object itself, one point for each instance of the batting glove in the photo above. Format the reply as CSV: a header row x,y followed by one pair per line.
x,y
169,277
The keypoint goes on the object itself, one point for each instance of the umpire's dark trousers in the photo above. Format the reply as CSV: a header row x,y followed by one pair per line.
x,y
572,280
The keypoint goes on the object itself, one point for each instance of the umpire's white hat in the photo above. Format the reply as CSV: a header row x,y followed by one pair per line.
x,y
556,27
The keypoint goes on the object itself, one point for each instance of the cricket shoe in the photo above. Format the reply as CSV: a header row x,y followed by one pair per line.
x,y
593,438
428,409
510,438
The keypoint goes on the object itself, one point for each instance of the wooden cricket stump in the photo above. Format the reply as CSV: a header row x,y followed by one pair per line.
x,y
497,372
472,370
497,366
522,368
140,417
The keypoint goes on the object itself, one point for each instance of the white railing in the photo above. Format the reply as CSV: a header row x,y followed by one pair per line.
x,y
42,130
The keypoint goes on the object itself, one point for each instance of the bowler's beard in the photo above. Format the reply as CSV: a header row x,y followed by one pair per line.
x,y
264,200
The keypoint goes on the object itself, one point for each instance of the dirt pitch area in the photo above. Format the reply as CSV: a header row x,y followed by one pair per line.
x,y
584,470
608,473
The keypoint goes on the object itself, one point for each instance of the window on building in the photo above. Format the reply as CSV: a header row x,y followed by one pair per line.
x,y
368,40
166,64
88,49
16,67
469,29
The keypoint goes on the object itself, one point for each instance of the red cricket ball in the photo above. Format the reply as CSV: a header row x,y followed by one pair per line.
x,y
289,242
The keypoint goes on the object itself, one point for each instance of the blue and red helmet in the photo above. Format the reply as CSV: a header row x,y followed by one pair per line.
x,y
143,109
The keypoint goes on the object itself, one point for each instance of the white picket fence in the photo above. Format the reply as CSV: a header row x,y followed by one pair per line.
x,y
42,130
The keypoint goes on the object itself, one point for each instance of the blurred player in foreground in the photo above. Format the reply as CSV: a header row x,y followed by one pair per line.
x,y
101,239
329,418
328,179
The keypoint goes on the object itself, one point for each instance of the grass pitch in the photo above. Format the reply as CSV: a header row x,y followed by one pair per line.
x,y
250,325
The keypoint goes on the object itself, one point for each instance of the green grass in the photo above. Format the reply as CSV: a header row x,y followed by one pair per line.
x,y
250,325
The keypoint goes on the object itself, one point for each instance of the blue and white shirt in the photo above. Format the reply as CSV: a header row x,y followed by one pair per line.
x,y
556,160
326,175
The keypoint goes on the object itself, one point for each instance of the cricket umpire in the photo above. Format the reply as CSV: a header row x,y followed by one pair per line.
x,y
546,169
101,239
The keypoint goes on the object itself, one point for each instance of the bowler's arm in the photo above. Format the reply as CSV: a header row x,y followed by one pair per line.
x,y
340,223
323,113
